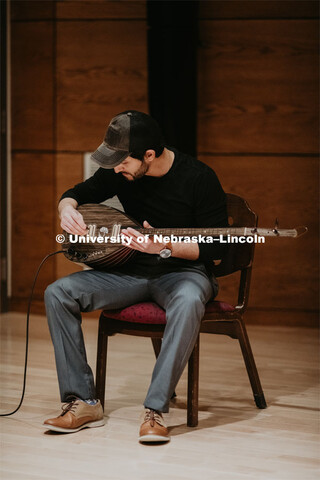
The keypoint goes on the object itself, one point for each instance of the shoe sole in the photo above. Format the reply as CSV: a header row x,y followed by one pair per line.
x,y
153,438
97,423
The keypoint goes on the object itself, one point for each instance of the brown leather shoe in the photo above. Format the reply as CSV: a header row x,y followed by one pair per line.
x,y
153,428
75,416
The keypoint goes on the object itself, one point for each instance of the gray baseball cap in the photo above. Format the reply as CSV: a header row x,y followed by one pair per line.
x,y
128,133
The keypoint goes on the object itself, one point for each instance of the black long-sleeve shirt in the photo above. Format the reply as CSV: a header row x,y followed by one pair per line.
x,y
188,195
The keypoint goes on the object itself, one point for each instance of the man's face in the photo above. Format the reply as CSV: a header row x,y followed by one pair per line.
x,y
132,169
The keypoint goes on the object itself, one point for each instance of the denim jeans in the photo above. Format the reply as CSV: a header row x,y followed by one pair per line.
x,y
182,294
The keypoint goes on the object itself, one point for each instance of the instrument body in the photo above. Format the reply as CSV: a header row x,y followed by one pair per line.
x,y
103,248
102,221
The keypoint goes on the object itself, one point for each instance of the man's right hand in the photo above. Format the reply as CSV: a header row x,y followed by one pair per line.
x,y
71,219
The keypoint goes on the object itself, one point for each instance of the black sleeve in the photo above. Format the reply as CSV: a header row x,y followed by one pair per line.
x,y
102,185
210,211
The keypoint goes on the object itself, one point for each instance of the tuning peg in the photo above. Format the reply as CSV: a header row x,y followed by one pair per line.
x,y
276,227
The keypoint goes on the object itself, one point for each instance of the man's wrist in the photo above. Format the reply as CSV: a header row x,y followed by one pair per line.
x,y
65,203
166,250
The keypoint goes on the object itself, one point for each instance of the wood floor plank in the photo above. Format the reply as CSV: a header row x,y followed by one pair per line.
x,y
233,441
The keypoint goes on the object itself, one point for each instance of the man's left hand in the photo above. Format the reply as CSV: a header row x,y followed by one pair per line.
x,y
145,243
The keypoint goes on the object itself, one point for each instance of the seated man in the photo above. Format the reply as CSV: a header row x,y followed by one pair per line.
x,y
159,186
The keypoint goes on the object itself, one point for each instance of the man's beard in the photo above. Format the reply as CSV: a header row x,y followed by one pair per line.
x,y
142,170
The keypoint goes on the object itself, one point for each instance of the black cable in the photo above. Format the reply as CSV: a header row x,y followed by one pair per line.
x,y
27,335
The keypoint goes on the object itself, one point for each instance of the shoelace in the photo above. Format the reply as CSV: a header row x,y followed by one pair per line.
x,y
69,407
153,416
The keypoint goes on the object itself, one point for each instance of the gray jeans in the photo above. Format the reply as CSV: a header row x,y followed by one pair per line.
x,y
182,294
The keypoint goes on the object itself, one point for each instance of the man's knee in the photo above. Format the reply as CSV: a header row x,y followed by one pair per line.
x,y
56,290
50,292
187,300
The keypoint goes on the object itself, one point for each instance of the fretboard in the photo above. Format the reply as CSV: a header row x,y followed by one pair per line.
x,y
216,232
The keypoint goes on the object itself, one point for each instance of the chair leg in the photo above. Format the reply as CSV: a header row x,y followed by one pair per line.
x,y
193,386
251,366
156,343
101,367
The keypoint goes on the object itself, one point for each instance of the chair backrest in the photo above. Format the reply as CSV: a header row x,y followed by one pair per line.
x,y
238,255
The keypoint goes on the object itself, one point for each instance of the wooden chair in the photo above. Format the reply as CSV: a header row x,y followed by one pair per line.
x,y
148,319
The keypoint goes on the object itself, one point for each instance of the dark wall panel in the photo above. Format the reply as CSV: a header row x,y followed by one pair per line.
x,y
32,222
101,71
286,9
22,10
102,9
258,86
32,85
285,270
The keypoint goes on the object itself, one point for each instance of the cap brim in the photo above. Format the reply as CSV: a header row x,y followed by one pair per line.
x,y
107,158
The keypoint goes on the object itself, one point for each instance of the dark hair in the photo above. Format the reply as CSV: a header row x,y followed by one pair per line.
x,y
139,155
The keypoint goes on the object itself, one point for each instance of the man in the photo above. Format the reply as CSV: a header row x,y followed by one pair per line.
x,y
158,186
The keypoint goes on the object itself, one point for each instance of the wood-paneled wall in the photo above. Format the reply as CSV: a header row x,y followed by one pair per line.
x,y
258,129
77,63
74,66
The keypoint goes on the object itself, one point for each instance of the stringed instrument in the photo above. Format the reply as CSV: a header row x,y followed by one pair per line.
x,y
103,247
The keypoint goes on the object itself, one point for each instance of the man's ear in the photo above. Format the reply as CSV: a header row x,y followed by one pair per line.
x,y
149,156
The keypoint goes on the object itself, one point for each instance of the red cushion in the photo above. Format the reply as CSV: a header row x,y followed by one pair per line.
x,y
146,312
150,312
219,307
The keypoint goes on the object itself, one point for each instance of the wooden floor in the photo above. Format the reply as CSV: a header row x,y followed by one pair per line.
x,y
234,440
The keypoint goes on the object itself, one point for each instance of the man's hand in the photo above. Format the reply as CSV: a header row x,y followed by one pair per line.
x,y
188,251
147,246
71,219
